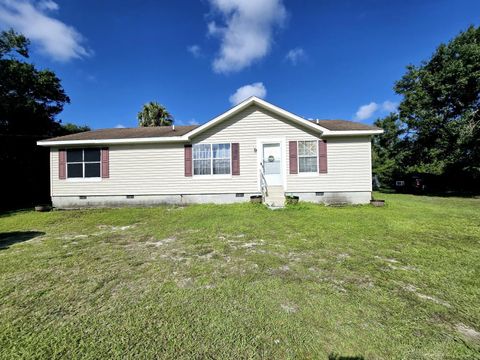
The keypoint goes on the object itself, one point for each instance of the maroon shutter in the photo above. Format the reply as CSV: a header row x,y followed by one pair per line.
x,y
322,157
105,163
188,160
235,159
62,164
292,154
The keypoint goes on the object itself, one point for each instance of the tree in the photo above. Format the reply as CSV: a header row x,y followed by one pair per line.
x,y
70,128
441,103
440,113
29,98
154,114
389,149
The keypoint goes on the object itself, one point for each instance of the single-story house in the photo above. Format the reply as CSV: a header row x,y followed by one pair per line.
x,y
255,148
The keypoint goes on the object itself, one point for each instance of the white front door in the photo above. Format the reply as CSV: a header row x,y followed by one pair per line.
x,y
272,163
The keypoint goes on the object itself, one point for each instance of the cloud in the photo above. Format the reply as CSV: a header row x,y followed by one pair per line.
x,y
367,111
56,39
256,89
389,106
247,33
48,5
194,50
120,126
296,55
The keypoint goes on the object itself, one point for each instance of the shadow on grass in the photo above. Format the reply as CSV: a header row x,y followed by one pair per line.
x,y
11,212
341,357
10,238
443,194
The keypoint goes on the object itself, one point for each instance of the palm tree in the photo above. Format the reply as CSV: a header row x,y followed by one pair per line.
x,y
154,114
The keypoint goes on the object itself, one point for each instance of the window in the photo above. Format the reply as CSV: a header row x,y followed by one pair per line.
x,y
83,163
211,159
307,157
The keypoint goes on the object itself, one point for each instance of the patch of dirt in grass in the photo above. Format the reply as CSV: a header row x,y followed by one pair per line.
x,y
161,242
361,282
338,285
252,244
207,255
207,287
116,228
289,308
413,289
230,236
72,237
176,257
404,268
284,268
394,264
342,257
468,332
185,283
388,260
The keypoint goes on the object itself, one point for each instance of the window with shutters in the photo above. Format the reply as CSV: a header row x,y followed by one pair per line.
x,y
83,163
211,159
307,156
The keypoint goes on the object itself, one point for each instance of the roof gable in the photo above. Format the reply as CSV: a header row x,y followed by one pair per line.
x,y
264,105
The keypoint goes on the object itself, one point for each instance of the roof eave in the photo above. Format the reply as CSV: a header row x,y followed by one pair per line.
x,y
353,132
151,140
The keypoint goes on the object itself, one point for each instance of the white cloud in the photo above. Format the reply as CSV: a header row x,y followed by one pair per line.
x,y
389,106
247,33
120,126
194,50
48,5
367,111
54,38
256,89
296,55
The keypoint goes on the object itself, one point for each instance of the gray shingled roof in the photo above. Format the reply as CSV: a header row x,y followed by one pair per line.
x,y
128,133
343,125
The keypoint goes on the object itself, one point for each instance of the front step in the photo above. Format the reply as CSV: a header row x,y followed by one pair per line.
x,y
275,197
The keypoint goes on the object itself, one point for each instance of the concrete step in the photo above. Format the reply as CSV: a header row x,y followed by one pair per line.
x,y
275,201
276,197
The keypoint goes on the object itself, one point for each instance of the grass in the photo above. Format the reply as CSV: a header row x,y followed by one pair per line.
x,y
242,281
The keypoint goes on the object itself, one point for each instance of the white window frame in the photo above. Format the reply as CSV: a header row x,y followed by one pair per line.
x,y
83,178
212,175
307,173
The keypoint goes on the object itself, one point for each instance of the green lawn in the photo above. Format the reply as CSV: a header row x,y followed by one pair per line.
x,y
242,281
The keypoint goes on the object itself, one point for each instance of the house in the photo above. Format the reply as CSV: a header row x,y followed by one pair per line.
x,y
255,148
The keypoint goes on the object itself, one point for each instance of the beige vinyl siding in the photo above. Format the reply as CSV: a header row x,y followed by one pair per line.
x,y
159,168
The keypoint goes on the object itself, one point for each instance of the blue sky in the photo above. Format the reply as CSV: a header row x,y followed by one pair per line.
x,y
328,59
